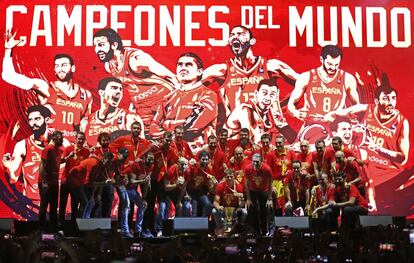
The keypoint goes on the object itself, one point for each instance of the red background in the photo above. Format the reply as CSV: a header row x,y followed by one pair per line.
x,y
271,43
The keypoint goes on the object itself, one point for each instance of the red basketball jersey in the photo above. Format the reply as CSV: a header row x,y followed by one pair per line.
x,y
385,134
96,126
322,97
30,168
67,112
146,92
243,81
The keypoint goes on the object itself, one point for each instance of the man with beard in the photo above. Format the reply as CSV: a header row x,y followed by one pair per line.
x,y
244,142
27,153
223,136
48,180
192,105
146,80
324,89
240,75
67,101
109,118
387,142
181,146
217,157
136,145
256,114
350,170
280,161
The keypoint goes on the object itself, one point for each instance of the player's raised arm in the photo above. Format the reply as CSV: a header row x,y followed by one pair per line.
x,y
142,63
214,72
400,156
10,75
297,94
404,142
351,88
281,69
203,113
330,116
14,163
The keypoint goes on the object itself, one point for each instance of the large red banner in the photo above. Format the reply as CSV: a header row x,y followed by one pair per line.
x,y
258,65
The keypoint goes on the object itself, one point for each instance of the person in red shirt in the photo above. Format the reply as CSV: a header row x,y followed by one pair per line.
x,y
266,149
238,162
136,145
280,161
243,141
305,159
322,195
217,157
73,155
200,184
139,174
175,183
258,188
348,198
351,154
104,207
103,145
223,136
121,181
337,145
323,159
165,156
49,180
296,189
182,147
81,180
351,171
228,199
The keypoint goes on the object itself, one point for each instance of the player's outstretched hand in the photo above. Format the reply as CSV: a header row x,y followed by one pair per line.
x,y
10,42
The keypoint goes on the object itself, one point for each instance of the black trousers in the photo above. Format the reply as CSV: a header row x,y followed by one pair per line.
x,y
65,191
350,215
257,213
48,197
149,214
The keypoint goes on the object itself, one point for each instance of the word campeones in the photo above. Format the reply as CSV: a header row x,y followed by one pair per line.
x,y
188,25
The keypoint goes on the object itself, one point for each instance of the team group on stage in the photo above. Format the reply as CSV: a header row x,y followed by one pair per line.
x,y
183,148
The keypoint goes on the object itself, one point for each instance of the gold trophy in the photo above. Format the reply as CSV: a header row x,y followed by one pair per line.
x,y
228,218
